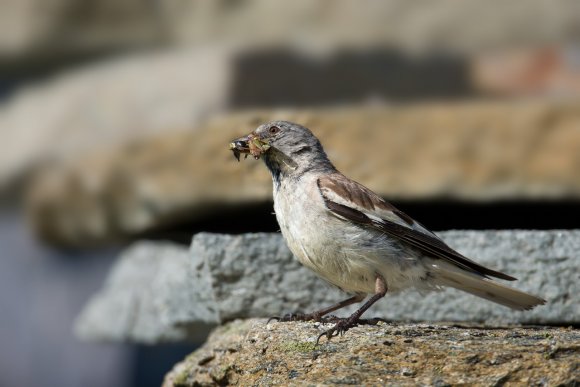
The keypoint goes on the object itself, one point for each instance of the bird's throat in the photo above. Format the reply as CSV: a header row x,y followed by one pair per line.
x,y
279,164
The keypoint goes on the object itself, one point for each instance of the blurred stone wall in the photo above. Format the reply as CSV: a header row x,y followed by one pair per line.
x,y
477,151
39,27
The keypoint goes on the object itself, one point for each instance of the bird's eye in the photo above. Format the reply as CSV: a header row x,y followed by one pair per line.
x,y
273,129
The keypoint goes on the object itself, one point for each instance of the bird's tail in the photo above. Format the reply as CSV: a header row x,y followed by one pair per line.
x,y
449,275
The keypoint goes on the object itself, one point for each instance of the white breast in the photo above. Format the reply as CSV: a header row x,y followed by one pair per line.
x,y
341,253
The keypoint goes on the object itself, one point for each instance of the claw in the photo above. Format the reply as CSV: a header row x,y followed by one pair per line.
x,y
343,325
332,332
272,318
318,339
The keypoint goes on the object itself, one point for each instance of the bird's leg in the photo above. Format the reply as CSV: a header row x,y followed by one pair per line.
x,y
317,316
345,324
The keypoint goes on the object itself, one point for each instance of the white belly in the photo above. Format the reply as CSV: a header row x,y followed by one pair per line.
x,y
341,253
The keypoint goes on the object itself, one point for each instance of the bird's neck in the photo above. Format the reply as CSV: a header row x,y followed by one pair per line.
x,y
295,166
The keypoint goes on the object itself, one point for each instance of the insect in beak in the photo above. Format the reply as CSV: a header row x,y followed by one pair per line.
x,y
250,144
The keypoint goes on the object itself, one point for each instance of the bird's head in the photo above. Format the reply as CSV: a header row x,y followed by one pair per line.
x,y
283,145
281,136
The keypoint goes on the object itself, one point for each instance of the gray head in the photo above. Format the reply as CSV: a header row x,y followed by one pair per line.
x,y
286,148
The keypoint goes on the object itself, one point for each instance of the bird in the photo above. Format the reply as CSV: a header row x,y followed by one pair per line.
x,y
354,239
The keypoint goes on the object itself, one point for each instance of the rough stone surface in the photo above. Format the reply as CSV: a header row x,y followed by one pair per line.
x,y
470,151
249,352
254,275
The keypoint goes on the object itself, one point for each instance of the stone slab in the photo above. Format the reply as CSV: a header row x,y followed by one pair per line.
x,y
160,292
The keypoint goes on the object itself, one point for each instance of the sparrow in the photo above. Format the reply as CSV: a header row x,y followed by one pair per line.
x,y
354,239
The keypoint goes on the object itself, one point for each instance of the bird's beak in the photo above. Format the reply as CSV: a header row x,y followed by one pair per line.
x,y
250,144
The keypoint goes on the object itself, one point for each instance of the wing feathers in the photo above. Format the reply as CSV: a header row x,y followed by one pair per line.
x,y
360,205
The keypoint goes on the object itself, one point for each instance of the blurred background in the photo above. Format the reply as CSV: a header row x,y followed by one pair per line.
x,y
115,118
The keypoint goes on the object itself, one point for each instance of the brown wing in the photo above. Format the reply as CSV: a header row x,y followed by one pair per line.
x,y
358,204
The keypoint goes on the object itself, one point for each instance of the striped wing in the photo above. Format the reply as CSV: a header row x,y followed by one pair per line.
x,y
355,203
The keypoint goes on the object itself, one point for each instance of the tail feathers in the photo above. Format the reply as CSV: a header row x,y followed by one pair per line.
x,y
448,275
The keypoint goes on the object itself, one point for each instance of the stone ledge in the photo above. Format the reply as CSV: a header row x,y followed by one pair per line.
x,y
249,352
160,292
472,151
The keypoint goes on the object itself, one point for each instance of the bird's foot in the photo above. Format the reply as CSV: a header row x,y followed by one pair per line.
x,y
297,316
344,324
339,328
361,321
